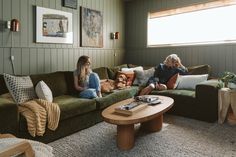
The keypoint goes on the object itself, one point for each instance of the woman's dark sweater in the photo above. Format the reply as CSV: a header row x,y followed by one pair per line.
x,y
163,73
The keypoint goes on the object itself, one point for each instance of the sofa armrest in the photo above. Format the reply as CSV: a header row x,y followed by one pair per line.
x,y
8,116
207,99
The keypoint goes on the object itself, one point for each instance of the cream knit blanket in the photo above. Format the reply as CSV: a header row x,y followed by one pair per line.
x,y
38,112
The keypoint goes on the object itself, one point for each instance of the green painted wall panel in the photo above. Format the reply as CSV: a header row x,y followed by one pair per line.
x,y
220,57
33,58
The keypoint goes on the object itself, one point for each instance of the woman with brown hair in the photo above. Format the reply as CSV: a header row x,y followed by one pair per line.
x,y
86,81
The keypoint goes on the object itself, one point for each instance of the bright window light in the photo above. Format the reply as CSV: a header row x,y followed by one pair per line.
x,y
209,26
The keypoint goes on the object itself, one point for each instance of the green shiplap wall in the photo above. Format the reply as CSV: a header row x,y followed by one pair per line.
x,y
34,58
220,57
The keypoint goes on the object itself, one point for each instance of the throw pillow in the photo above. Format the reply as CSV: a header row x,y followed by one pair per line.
x,y
142,76
121,81
107,85
131,69
129,75
43,91
20,87
173,82
190,81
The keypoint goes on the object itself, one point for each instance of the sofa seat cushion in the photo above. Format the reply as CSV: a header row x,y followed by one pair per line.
x,y
189,93
55,81
185,103
72,106
116,96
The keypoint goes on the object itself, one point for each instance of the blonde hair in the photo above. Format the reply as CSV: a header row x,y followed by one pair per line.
x,y
81,68
172,61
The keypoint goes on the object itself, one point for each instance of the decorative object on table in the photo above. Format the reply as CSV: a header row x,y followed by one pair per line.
x,y
70,3
91,29
146,98
229,79
131,108
53,26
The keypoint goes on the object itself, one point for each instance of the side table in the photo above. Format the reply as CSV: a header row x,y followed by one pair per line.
x,y
227,106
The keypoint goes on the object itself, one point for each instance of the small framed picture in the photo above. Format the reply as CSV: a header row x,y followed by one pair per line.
x,y
70,3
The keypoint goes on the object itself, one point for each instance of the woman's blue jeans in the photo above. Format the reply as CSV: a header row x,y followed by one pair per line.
x,y
93,89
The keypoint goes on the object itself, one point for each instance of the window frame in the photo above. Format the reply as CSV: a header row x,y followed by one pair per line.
x,y
186,9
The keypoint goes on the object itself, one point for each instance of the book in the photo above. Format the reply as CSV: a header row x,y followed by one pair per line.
x,y
131,108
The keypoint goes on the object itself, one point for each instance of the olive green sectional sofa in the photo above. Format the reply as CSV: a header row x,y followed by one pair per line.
x,y
78,113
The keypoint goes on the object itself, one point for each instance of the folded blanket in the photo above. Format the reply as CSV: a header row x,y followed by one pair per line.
x,y
38,112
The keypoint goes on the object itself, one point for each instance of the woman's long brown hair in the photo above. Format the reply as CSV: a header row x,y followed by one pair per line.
x,y
81,64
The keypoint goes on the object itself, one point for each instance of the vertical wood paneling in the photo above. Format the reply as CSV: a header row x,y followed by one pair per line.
x,y
53,60
25,55
70,60
40,60
33,61
1,17
47,60
17,60
24,25
16,15
220,57
1,60
33,58
6,14
31,23
60,59
65,59
6,61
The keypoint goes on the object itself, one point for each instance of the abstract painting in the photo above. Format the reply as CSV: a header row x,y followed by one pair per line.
x,y
91,28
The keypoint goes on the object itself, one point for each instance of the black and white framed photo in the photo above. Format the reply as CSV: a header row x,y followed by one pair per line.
x,y
53,26
70,3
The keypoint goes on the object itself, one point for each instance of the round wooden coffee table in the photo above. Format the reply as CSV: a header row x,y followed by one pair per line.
x,y
151,119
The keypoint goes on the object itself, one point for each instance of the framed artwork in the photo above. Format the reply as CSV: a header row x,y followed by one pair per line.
x,y
53,26
91,28
70,3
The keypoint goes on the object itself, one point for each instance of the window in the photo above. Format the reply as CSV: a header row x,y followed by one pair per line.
x,y
208,23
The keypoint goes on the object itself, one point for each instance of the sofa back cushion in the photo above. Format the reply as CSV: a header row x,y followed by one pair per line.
x,y
3,87
56,82
69,76
112,71
199,70
102,72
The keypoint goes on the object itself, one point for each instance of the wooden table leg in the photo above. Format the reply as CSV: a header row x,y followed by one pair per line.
x,y
125,136
153,125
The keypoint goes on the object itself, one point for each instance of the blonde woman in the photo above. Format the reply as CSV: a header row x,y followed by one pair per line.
x,y
163,72
86,81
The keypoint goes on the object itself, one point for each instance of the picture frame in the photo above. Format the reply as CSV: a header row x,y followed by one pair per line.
x,y
53,26
69,3
91,28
